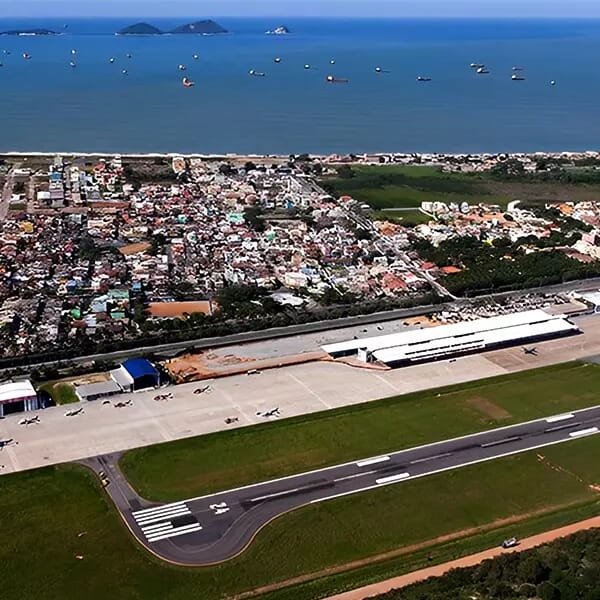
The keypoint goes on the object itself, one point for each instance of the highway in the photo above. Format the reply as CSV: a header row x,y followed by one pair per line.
x,y
216,527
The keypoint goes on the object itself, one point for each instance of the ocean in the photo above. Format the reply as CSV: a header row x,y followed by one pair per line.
x,y
47,106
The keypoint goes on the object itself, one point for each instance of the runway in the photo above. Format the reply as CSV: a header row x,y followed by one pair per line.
x,y
216,527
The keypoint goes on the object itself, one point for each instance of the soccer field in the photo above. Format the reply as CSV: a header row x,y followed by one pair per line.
x,y
211,463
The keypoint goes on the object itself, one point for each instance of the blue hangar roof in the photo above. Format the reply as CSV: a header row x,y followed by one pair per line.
x,y
140,367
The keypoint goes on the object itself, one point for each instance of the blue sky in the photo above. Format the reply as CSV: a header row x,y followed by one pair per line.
x,y
349,8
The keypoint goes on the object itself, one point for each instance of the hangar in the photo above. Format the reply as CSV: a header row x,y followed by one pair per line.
x,y
457,338
136,374
19,396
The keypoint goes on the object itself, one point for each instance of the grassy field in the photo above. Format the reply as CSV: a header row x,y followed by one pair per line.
x,y
61,393
42,534
195,466
409,218
398,186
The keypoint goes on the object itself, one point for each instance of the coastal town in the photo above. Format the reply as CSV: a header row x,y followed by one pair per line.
x,y
95,249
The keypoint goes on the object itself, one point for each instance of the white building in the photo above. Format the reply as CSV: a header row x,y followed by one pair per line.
x,y
458,338
19,396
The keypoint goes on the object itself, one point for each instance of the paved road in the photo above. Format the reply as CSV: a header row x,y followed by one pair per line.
x,y
214,528
6,194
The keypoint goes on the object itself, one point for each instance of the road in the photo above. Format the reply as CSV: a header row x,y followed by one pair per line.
x,y
7,193
214,528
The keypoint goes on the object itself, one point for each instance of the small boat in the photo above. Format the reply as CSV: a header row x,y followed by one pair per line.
x,y
482,71
128,55
277,59
420,78
332,61
332,79
26,56
195,56
553,82
307,67
6,52
111,60
73,64
182,67
476,65
254,73
378,70
187,82
518,69
73,52
517,77
124,72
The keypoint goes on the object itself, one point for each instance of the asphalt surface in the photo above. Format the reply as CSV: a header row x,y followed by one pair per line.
x,y
216,527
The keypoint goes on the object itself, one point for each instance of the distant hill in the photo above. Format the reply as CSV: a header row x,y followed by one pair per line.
x,y
140,29
29,32
202,27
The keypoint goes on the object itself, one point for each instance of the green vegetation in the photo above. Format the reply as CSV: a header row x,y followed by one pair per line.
x,y
323,536
172,471
408,218
398,186
503,265
567,568
61,393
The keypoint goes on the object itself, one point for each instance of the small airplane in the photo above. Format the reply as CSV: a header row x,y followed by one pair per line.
x,y
219,508
74,412
270,413
4,443
230,420
532,350
123,404
201,390
29,421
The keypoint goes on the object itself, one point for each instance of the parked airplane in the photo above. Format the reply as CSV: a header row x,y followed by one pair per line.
x,y
29,421
270,413
74,412
201,390
531,350
123,404
4,443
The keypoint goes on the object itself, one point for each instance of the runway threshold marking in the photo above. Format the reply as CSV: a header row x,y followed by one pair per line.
x,y
392,478
372,461
582,432
157,508
559,418
180,512
175,532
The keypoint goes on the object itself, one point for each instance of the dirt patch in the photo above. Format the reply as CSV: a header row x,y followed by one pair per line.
x,y
488,408
466,561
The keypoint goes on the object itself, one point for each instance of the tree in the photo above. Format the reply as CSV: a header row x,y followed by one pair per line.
x,y
345,172
546,591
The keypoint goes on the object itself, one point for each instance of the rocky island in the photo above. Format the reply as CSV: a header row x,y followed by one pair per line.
x,y
29,32
206,27
281,30
140,29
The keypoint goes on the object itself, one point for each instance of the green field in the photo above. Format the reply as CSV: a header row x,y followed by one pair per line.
x,y
209,463
61,393
399,186
44,511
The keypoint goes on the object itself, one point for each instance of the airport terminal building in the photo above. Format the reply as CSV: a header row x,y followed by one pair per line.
x,y
445,341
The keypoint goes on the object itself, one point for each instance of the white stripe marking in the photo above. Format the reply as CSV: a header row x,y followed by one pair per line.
x,y
372,461
392,478
157,509
175,533
165,514
582,432
152,529
559,418
165,517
